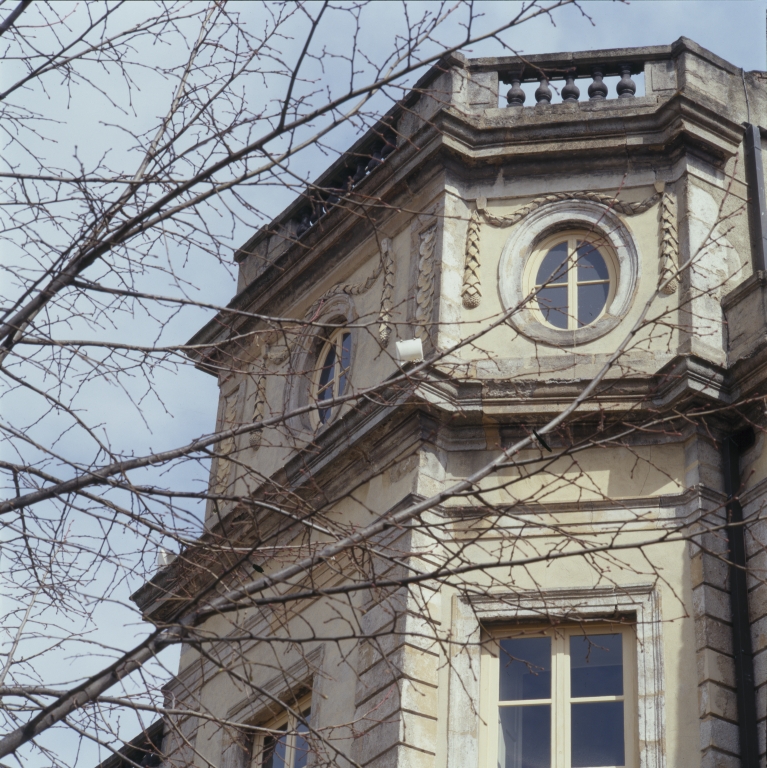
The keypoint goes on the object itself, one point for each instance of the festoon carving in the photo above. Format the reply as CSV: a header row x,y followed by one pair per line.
x,y
259,408
669,242
424,297
387,294
471,290
385,267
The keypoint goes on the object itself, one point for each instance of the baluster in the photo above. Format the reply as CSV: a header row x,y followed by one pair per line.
x,y
543,92
597,90
571,92
304,224
389,146
516,96
375,160
626,87
360,173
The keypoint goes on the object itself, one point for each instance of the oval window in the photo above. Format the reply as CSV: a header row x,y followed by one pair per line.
x,y
574,281
333,378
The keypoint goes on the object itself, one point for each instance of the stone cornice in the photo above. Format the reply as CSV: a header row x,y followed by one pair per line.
x,y
584,131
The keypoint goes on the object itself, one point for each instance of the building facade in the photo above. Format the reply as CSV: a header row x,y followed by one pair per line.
x,y
551,566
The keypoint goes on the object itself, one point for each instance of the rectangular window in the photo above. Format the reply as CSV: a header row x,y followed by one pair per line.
x,y
562,698
285,741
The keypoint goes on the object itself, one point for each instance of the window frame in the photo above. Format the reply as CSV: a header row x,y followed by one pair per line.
x,y
334,341
521,246
288,719
571,236
560,700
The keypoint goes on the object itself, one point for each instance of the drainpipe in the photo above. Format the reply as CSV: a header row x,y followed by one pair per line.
x,y
757,204
732,447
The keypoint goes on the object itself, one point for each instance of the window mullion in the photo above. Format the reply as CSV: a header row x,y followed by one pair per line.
x,y
290,741
563,701
572,284
555,694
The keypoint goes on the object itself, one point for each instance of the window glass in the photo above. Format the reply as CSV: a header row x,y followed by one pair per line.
x,y
524,731
275,750
596,665
591,302
554,266
553,304
561,701
524,737
302,745
573,284
525,669
346,361
596,727
596,730
336,360
591,264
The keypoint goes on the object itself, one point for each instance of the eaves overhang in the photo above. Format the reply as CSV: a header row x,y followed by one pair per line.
x,y
645,125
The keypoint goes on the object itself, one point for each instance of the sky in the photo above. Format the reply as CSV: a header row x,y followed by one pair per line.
x,y
733,29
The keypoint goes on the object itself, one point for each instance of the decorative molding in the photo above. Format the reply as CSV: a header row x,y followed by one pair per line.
x,y
259,407
472,290
386,267
472,285
582,213
576,604
669,242
387,295
424,298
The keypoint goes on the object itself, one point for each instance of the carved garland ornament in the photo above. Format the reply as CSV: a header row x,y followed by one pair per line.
x,y
472,289
385,267
669,243
424,297
259,408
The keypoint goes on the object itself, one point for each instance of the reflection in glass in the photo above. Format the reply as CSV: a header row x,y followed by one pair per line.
x,y
571,297
346,361
596,665
525,669
591,264
591,302
327,375
553,268
524,736
553,304
275,749
597,734
302,746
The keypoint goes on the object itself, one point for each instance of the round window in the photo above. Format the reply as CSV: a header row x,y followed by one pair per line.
x,y
333,374
574,280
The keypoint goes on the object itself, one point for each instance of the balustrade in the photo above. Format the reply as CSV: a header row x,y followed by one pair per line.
x,y
570,92
545,70
324,198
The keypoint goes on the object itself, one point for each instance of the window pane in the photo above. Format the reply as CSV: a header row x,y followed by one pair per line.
x,y
553,268
591,264
328,368
325,388
591,302
597,734
524,669
596,665
524,737
274,751
346,361
553,304
302,746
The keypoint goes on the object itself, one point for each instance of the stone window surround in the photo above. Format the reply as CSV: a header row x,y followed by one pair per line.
x,y
304,360
521,247
297,681
470,613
